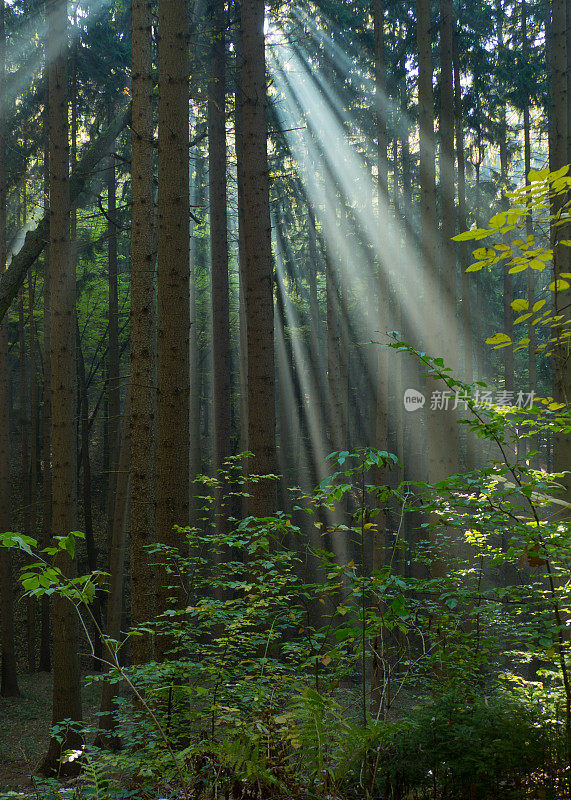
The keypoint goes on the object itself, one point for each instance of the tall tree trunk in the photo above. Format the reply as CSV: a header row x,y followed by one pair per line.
x,y
67,691
532,362
466,305
508,353
44,664
87,495
173,320
8,675
448,448
219,237
142,421
239,146
116,571
334,384
25,415
32,476
426,141
380,417
258,258
557,158
114,388
196,252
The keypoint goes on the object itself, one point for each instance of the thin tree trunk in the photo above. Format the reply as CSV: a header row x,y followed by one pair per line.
x,y
114,389
142,421
67,692
508,353
173,320
33,463
219,239
258,258
532,362
466,306
239,146
381,416
87,494
44,664
196,265
336,430
116,571
557,159
8,675
25,411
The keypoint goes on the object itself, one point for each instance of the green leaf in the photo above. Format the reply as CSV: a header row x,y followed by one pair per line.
x,y
537,175
499,338
522,318
498,220
559,286
484,252
475,233
520,305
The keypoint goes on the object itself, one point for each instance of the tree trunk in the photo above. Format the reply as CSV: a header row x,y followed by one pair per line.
x,y
381,438
44,664
466,303
173,320
142,421
239,145
114,389
219,238
196,265
532,362
25,413
508,353
8,675
87,495
116,572
258,258
67,691
557,158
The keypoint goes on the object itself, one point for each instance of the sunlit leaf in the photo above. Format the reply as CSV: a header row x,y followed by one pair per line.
x,y
559,286
499,338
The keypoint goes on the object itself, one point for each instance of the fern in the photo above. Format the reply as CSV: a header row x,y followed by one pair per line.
x,y
97,782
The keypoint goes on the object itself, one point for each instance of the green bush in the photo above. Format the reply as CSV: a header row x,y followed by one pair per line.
x,y
457,747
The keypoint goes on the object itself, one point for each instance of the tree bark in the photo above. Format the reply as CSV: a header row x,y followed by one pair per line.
x,y
239,146
44,664
258,258
173,270
466,303
67,691
219,237
142,421
557,158
8,675
116,572
114,389
532,361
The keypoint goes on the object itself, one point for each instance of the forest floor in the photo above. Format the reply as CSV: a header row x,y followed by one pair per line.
x,y
25,724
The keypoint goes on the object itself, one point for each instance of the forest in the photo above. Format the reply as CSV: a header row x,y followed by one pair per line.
x,y
285,399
